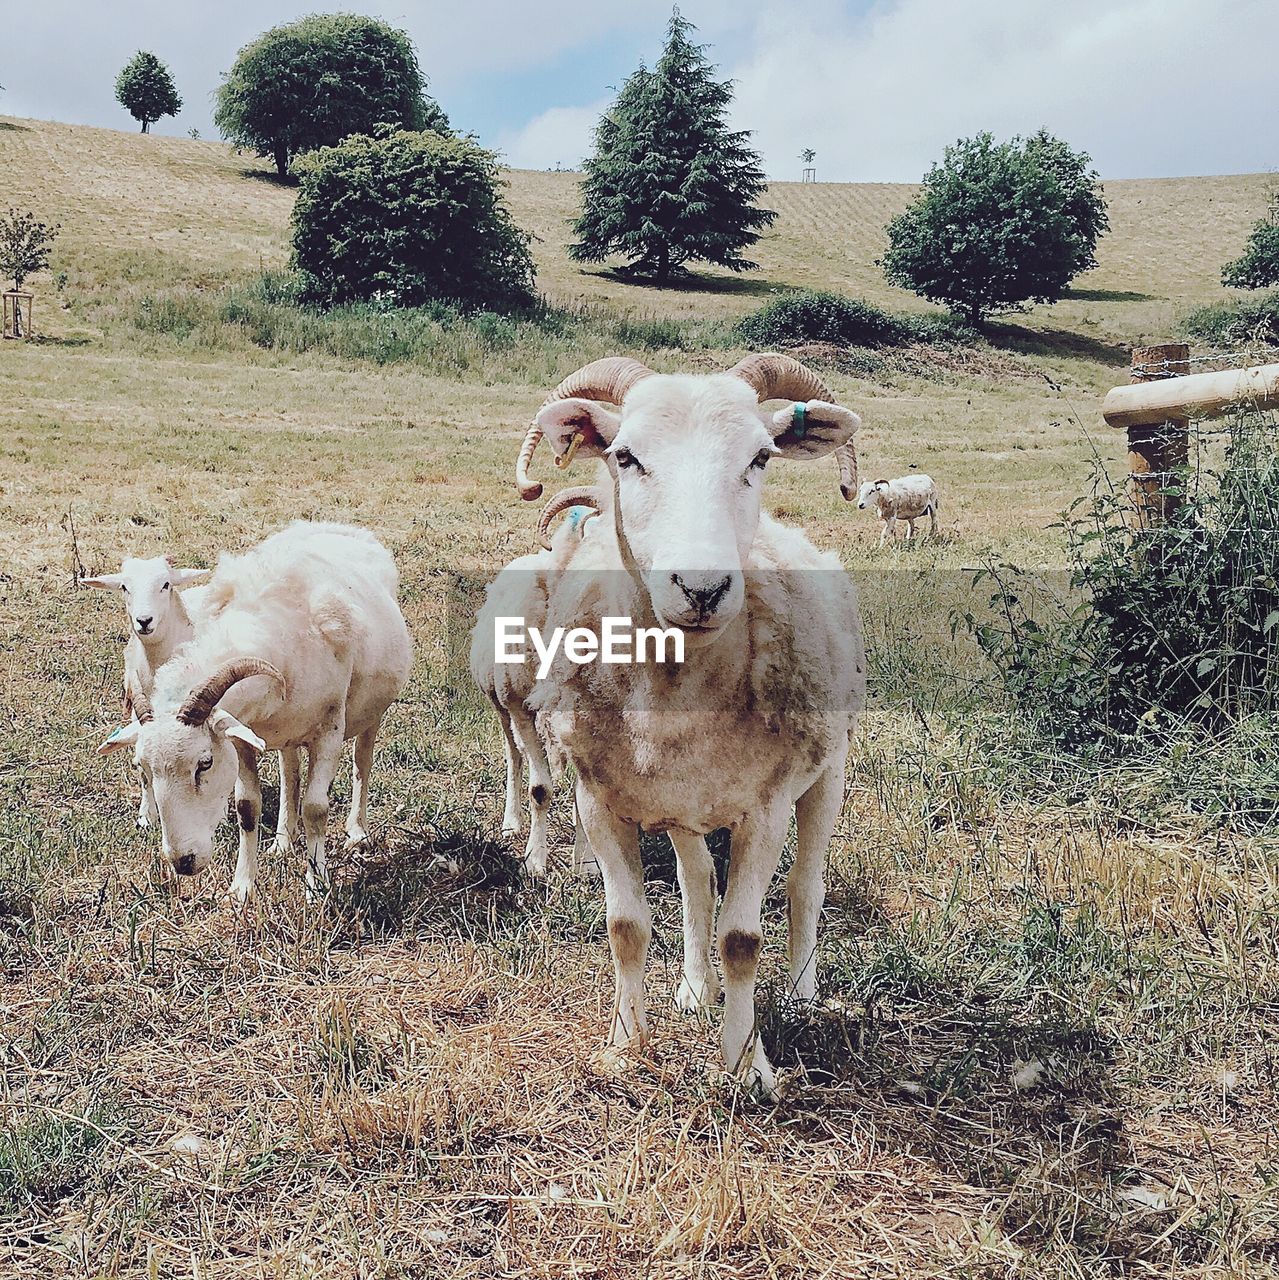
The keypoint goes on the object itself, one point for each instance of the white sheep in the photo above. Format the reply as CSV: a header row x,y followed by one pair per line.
x,y
304,646
754,724
906,498
159,621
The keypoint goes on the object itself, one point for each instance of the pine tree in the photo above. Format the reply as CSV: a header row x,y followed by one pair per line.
x,y
669,182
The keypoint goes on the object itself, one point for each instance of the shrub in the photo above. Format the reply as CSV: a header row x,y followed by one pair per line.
x,y
814,316
1180,627
406,218
1232,323
1258,266
998,225
313,82
24,245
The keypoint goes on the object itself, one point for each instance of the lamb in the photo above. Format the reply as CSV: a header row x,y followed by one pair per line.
x,y
907,498
755,723
304,647
520,590
159,621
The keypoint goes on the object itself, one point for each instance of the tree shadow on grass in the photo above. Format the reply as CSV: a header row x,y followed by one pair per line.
x,y
1055,342
1109,295
270,177
7,126
693,283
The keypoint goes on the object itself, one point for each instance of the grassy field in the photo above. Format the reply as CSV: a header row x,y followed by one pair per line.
x,y
1046,1047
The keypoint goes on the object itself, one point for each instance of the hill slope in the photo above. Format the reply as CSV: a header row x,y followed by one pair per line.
x,y
148,210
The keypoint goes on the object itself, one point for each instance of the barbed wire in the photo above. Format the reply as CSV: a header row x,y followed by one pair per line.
x,y
1241,358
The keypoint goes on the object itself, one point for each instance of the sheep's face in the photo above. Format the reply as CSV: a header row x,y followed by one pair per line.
x,y
868,494
192,770
147,588
689,456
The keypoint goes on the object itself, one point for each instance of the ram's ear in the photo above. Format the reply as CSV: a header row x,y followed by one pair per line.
x,y
241,737
124,735
812,430
564,419
180,577
107,581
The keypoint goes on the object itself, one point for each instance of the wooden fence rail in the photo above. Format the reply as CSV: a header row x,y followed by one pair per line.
x,y
1156,410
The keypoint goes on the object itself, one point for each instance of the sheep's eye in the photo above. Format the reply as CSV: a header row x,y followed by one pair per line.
x,y
627,461
124,589
202,766
760,461
165,587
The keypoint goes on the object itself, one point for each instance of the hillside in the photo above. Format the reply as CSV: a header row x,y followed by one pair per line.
x,y
145,211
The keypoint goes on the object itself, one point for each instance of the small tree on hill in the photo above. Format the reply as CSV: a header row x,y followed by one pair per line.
x,y
313,82
24,245
1258,266
998,225
145,89
409,217
670,182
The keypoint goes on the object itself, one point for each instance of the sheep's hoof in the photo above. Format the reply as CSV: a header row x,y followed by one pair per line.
x,y
240,891
696,997
355,839
511,827
143,822
283,844
759,1083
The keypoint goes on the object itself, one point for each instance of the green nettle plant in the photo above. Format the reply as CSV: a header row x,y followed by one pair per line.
x,y
1258,266
405,218
25,243
669,182
1178,624
313,82
998,226
145,89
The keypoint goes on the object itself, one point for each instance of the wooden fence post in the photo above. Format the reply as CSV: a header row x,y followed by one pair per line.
x,y
1156,450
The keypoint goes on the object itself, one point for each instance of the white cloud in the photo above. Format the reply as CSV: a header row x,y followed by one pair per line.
x,y
1148,87
560,136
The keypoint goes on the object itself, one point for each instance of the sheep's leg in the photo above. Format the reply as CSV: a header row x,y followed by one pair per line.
x,y
539,790
585,864
757,849
324,757
889,530
357,821
512,823
700,986
286,822
910,528
816,813
630,922
248,812
932,520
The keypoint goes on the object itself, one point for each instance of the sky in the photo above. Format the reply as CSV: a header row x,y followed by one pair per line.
x,y
1149,88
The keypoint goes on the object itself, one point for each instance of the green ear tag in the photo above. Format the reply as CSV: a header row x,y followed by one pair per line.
x,y
799,421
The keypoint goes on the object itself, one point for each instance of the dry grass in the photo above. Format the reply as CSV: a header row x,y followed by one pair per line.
x,y
1047,1047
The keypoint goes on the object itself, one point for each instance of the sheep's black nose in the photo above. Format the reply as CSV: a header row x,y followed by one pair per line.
x,y
144,624
185,865
703,591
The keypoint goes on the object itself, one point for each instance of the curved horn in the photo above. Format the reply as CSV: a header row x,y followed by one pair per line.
x,y
138,706
778,377
200,702
608,380
582,495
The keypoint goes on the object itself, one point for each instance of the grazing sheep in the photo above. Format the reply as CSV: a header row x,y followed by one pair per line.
x,y
159,621
754,724
907,498
304,647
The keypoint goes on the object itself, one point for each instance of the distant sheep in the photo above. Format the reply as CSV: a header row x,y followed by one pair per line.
x,y
907,498
304,646
159,622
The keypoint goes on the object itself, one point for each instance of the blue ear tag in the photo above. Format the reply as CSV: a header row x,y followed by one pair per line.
x,y
799,421
115,733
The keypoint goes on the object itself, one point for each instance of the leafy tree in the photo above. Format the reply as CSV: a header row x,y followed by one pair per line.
x,y
24,245
998,225
669,181
1258,267
312,82
145,89
408,217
